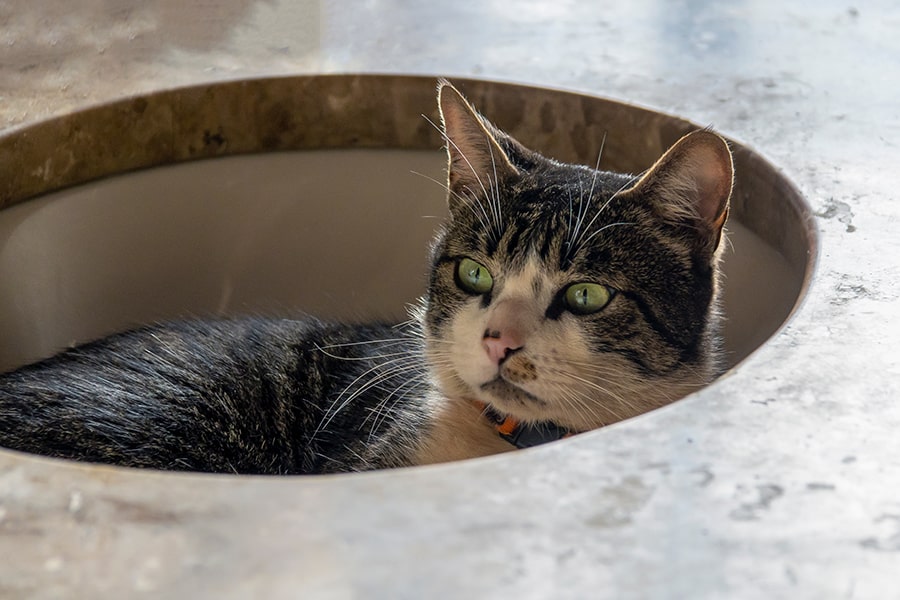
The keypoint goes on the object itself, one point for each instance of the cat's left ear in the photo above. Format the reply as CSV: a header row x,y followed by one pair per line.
x,y
690,186
476,161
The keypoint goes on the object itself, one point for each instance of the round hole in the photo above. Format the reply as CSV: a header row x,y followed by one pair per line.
x,y
280,214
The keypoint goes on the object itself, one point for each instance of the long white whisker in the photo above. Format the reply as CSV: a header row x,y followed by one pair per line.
x,y
604,390
615,194
569,231
495,200
601,230
384,341
382,410
464,157
471,202
343,399
597,167
582,211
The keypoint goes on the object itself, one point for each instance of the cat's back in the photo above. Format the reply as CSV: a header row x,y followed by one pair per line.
x,y
230,395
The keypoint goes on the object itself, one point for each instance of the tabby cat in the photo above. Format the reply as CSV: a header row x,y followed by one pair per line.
x,y
560,299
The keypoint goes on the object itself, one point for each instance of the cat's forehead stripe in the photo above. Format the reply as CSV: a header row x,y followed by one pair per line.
x,y
529,281
515,238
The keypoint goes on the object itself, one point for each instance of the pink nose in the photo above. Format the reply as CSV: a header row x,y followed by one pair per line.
x,y
499,345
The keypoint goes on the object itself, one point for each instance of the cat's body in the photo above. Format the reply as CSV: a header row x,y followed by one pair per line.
x,y
236,396
558,294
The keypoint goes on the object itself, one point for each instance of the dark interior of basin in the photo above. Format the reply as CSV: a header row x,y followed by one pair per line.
x,y
317,183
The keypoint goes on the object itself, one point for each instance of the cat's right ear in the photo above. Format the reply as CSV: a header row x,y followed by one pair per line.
x,y
690,186
476,161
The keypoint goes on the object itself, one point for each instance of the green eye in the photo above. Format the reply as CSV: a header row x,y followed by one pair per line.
x,y
473,277
587,298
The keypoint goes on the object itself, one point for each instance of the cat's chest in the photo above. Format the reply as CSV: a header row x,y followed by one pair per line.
x,y
459,431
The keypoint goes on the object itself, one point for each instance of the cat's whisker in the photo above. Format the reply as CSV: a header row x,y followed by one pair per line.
x,y
579,242
473,200
494,185
379,342
343,399
582,212
602,229
362,358
626,185
413,367
594,410
470,201
397,394
461,153
599,377
385,370
384,407
596,172
605,391
568,240
573,408
574,404
388,393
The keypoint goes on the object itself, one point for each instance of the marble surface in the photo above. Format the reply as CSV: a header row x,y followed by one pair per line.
x,y
779,481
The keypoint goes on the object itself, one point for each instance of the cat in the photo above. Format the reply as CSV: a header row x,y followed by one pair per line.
x,y
560,299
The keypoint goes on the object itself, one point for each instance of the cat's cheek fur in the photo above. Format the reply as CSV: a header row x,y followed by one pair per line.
x,y
469,359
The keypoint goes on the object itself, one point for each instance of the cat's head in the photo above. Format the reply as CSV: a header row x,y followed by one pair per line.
x,y
566,294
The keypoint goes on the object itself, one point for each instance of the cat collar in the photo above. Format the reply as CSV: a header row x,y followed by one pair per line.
x,y
518,434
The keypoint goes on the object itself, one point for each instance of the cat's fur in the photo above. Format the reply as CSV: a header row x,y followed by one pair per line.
x,y
260,395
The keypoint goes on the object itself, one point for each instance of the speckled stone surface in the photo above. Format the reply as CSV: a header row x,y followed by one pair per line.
x,y
779,481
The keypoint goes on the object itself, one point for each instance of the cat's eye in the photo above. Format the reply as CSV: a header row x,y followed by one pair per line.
x,y
587,298
473,277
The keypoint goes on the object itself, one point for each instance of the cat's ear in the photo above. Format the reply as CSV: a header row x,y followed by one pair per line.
x,y
476,161
690,185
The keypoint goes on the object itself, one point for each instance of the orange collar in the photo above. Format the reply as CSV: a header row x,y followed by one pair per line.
x,y
517,434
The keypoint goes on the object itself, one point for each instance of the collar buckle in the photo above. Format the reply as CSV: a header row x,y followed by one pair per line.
x,y
519,435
